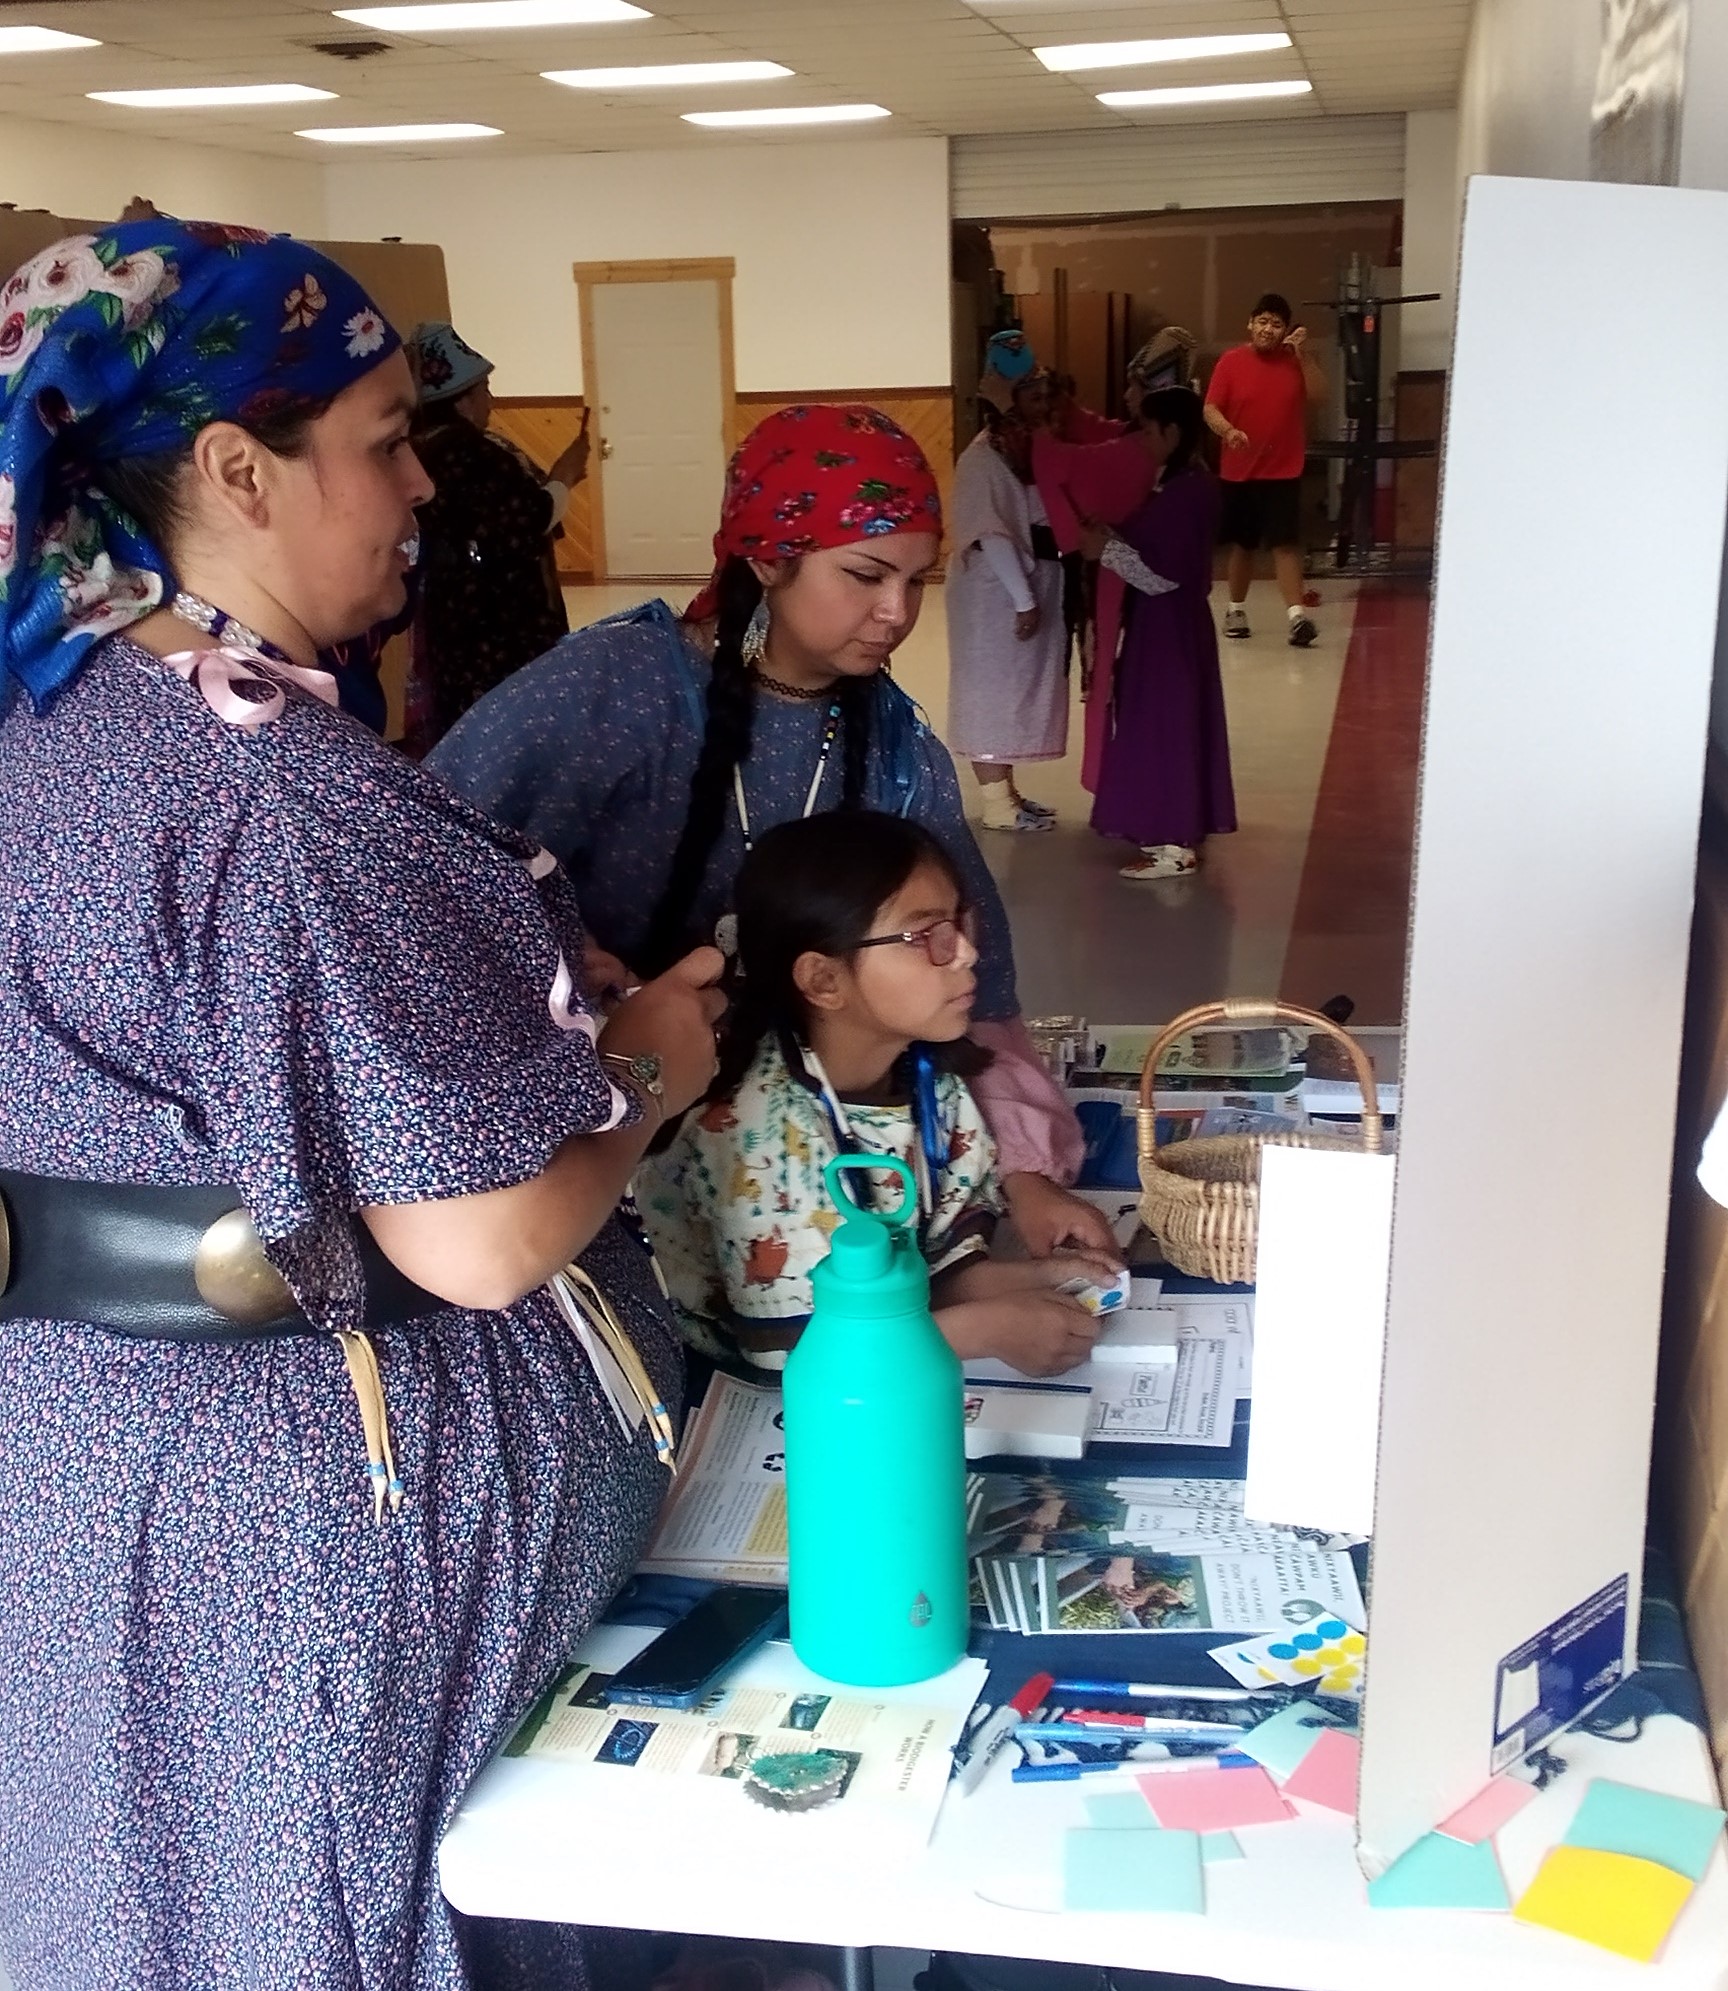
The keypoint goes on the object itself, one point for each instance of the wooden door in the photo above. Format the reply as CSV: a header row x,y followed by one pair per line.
x,y
657,371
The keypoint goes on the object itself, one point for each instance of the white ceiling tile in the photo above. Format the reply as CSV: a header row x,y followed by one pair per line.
x,y
940,65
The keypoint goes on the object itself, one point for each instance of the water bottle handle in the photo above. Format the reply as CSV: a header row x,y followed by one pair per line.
x,y
900,1218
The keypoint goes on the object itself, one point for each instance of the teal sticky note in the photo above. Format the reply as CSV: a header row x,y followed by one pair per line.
x,y
1133,1870
1438,1872
1675,1832
1120,1811
1216,1846
1279,1743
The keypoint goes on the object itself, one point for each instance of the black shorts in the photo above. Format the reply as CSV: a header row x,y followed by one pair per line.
x,y
1262,511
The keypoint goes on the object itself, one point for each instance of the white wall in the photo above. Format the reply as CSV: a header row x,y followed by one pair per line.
x,y
1138,169
1431,216
1529,78
91,174
1703,128
841,250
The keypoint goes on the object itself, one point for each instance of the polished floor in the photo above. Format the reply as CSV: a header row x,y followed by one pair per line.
x,y
1307,899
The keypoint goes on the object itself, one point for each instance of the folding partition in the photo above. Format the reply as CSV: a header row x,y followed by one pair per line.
x,y
1580,561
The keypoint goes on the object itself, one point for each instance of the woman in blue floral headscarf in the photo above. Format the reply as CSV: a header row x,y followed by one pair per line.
x,y
296,1077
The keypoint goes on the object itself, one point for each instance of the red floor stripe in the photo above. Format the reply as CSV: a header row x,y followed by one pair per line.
x,y
1349,933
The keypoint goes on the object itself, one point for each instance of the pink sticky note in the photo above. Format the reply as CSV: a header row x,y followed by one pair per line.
x,y
1214,1800
1488,1810
1327,1774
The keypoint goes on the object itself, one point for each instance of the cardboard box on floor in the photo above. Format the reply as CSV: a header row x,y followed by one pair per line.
x,y
1580,563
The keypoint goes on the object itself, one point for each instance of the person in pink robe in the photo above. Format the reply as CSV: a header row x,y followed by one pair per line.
x,y
1102,482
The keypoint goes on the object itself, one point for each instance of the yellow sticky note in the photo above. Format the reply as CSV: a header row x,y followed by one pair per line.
x,y
1609,1899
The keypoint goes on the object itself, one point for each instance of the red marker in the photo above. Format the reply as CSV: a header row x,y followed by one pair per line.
x,y
998,1727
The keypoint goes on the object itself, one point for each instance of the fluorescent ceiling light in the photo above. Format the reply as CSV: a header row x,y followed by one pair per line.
x,y
215,93
791,114
33,41
1206,93
453,16
1130,54
395,134
666,75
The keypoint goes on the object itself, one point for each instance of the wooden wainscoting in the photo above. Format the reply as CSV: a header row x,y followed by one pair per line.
x,y
543,429
1691,1453
543,426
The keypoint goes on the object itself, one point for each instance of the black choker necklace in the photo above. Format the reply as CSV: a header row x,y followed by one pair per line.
x,y
784,690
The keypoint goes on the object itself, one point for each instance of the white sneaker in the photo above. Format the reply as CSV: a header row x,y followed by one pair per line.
x,y
1161,860
1235,620
1022,821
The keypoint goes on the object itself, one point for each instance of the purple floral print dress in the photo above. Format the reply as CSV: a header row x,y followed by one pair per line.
x,y
236,1714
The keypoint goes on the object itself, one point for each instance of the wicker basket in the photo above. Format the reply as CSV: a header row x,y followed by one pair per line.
x,y
1201,1198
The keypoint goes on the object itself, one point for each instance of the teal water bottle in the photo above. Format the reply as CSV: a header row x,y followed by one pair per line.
x,y
875,1458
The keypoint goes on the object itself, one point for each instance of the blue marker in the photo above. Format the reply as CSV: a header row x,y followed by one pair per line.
x,y
1064,1773
1138,1690
1154,1731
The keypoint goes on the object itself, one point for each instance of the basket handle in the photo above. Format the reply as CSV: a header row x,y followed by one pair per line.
x,y
1253,1009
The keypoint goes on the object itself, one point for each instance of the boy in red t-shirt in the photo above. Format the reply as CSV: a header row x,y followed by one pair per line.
x,y
1257,405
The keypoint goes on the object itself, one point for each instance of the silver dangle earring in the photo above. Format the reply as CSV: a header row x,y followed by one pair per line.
x,y
755,643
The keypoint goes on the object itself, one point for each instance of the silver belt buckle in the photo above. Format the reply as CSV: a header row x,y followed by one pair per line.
x,y
235,1278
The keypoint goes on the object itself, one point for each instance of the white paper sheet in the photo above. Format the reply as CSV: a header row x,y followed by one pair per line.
x,y
1320,1315
897,1740
1190,1402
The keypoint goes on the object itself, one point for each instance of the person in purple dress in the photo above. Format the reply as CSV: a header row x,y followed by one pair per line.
x,y
1164,779
306,1485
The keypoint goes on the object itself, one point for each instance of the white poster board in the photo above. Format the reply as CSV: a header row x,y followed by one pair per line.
x,y
1319,1323
1580,561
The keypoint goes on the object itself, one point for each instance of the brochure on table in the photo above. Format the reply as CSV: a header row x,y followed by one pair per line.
x,y
1555,856
897,1745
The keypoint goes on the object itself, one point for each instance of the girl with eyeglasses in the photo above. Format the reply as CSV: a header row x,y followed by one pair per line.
x,y
857,978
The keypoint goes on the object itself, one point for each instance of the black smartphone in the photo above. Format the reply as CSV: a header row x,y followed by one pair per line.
x,y
685,1661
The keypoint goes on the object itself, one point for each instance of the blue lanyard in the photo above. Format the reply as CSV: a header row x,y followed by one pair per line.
x,y
926,1117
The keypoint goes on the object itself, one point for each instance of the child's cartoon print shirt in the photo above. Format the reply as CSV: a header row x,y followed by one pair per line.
x,y
738,1212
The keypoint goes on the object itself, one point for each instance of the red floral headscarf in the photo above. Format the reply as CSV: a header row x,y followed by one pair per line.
x,y
822,475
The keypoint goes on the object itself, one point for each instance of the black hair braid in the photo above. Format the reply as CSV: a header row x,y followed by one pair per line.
x,y
731,718
857,697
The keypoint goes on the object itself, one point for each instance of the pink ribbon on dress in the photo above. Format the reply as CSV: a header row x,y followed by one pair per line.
x,y
218,675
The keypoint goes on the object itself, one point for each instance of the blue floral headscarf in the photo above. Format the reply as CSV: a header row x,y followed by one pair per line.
x,y
127,343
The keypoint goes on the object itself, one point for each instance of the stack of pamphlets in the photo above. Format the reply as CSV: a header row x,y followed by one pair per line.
x,y
1097,1553
725,1513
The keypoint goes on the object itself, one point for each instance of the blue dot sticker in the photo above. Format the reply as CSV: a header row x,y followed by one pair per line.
x,y
1307,1642
1282,1650
1332,1628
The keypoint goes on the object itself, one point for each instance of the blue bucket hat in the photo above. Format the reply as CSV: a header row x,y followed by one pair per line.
x,y
444,363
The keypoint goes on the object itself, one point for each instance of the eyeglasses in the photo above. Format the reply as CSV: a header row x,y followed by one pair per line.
x,y
940,940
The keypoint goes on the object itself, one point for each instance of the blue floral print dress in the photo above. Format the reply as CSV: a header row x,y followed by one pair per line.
x,y
236,1714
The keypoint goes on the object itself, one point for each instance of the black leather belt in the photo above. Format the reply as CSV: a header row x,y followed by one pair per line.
x,y
161,1263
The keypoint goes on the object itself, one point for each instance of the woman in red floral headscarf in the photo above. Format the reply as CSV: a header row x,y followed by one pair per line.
x,y
648,751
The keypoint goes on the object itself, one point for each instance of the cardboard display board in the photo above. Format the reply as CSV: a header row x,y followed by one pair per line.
x,y
1575,619
24,231
406,280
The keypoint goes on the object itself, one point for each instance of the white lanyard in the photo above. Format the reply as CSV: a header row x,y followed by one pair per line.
x,y
844,1137
829,733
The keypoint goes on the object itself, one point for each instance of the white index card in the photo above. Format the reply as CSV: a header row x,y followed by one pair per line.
x,y
1319,1331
